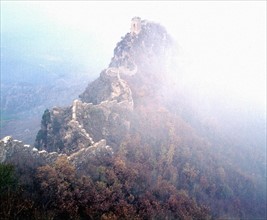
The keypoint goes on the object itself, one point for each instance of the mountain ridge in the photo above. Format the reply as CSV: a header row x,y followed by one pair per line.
x,y
137,154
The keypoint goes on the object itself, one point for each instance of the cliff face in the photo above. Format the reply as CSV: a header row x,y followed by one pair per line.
x,y
105,107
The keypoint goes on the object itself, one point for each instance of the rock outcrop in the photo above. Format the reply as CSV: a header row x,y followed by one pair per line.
x,y
102,117
108,87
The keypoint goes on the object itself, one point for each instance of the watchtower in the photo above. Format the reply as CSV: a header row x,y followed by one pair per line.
x,y
136,25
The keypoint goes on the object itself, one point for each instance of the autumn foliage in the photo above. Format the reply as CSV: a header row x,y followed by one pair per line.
x,y
163,169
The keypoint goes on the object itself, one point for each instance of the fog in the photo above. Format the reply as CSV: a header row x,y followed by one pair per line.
x,y
193,136
221,45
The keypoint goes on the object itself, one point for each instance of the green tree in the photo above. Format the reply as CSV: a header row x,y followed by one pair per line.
x,y
46,118
12,203
7,178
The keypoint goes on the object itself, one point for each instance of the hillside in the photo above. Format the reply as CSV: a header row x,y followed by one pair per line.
x,y
22,104
136,146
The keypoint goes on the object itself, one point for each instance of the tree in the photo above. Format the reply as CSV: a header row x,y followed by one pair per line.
x,y
12,203
7,178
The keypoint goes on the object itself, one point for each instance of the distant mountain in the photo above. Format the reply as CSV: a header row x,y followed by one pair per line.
x,y
137,145
23,103
39,71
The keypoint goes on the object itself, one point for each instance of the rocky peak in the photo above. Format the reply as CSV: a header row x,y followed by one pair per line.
x,y
146,42
103,113
104,108
143,58
140,60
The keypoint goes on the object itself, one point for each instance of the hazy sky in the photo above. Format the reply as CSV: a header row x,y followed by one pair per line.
x,y
223,43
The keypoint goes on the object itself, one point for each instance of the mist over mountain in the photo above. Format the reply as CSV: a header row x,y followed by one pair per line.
x,y
138,142
42,65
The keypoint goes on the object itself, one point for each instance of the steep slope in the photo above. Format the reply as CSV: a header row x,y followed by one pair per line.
x,y
125,150
135,72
